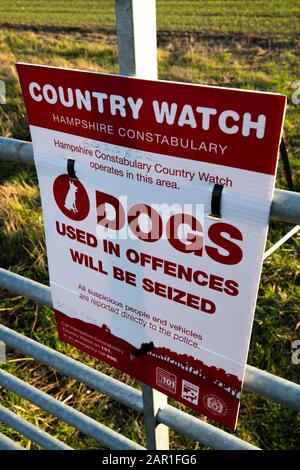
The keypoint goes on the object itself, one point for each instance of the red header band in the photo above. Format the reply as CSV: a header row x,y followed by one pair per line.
x,y
229,127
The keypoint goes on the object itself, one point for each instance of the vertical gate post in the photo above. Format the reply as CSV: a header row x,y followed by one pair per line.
x,y
136,32
2,352
157,434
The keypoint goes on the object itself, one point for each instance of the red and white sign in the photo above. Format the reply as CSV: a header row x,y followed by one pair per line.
x,y
142,276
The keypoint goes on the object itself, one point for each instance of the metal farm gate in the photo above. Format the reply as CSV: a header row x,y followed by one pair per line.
x,y
136,31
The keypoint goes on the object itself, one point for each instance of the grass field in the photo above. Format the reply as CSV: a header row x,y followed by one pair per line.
x,y
238,16
258,49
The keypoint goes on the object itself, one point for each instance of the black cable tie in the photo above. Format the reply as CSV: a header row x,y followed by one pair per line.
x,y
286,165
216,200
143,349
71,169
